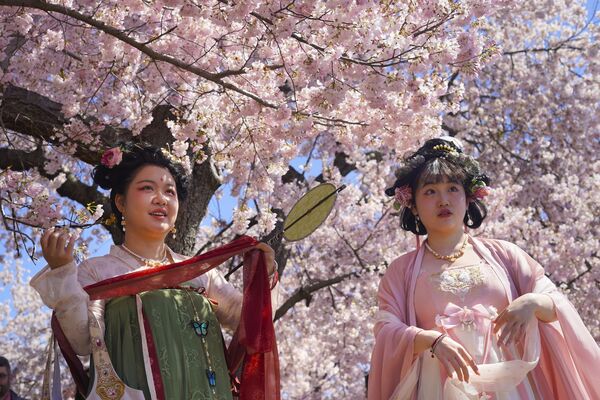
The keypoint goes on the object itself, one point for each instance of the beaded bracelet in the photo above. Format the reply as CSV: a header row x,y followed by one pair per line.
x,y
436,342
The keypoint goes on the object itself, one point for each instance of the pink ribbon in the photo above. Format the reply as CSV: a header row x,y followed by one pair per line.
x,y
455,315
475,316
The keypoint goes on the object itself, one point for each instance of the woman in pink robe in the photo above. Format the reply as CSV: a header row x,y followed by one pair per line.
x,y
468,318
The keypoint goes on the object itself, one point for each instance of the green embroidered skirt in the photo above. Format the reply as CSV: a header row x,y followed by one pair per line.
x,y
181,353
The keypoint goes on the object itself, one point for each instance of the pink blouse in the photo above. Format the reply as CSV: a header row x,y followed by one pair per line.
x,y
464,285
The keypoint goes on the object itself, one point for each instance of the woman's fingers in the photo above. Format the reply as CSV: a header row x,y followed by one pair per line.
x,y
265,247
53,240
61,242
455,358
71,244
517,333
464,367
466,356
508,333
57,246
500,320
45,237
452,367
269,254
448,367
454,362
504,334
458,367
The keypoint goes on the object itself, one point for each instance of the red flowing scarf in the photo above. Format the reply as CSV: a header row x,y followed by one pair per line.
x,y
254,346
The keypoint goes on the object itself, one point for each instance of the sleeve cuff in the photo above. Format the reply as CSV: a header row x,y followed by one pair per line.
x,y
58,284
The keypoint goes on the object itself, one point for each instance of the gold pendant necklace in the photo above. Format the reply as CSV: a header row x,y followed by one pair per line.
x,y
148,262
451,257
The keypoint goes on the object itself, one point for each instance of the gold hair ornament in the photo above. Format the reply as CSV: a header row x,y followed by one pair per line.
x,y
444,147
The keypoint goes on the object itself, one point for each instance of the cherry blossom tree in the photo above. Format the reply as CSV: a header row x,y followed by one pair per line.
x,y
243,92
533,117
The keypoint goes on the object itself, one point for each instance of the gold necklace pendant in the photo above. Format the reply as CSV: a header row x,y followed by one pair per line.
x,y
149,262
153,263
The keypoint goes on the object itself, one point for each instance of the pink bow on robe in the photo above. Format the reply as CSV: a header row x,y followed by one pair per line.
x,y
468,317
455,315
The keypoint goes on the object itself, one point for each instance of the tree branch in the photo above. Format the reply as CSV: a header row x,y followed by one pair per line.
x,y
341,162
143,47
542,50
305,293
34,115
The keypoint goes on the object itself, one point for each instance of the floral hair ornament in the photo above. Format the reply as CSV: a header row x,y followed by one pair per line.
x,y
455,142
478,189
111,157
403,197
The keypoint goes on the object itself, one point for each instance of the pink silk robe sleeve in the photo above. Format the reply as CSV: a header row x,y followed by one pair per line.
x,y
392,356
570,357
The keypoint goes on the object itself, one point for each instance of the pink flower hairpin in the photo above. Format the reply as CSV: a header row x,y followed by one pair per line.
x,y
478,190
403,197
111,157
480,193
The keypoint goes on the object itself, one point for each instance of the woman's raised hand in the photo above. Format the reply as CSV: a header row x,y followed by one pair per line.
x,y
514,319
455,358
269,256
57,247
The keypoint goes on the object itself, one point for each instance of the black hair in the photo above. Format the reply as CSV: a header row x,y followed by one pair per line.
x,y
136,155
4,363
438,160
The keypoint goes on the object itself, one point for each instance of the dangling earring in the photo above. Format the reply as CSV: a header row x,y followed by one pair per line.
x,y
173,232
469,220
417,223
123,223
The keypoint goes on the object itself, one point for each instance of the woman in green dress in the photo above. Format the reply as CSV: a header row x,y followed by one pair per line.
x,y
159,344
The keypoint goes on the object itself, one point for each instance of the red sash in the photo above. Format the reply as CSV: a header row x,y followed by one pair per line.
x,y
254,346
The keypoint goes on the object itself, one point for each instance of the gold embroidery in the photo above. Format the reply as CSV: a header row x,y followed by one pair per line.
x,y
458,281
108,384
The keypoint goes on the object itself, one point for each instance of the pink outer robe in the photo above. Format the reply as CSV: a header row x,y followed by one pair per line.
x,y
566,358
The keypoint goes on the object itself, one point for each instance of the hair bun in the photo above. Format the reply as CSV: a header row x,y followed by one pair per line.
x,y
102,177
